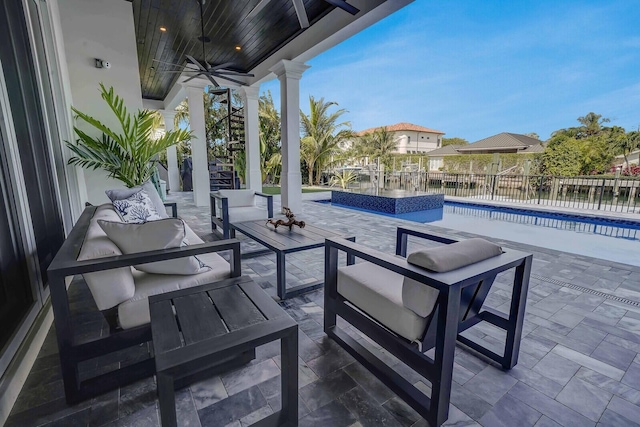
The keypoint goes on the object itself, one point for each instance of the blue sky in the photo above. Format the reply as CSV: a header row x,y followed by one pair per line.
x,y
476,68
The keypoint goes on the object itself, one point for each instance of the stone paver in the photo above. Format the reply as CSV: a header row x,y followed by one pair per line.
x,y
579,363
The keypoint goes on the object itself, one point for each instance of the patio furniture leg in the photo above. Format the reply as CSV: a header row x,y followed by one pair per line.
x,y
330,286
448,316
289,378
166,400
281,275
516,313
351,258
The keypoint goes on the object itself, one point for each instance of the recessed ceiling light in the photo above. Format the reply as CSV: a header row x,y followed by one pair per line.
x,y
238,47
163,29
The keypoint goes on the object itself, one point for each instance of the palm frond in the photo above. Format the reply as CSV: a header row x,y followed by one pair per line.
x,y
127,156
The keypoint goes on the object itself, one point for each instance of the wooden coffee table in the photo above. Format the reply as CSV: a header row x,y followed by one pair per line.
x,y
211,328
283,241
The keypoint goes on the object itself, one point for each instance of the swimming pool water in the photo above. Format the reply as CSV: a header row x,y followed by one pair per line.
x,y
595,237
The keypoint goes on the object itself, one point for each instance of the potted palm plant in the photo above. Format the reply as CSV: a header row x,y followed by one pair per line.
x,y
128,154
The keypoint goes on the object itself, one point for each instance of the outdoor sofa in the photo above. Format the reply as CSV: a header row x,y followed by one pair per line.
x,y
121,293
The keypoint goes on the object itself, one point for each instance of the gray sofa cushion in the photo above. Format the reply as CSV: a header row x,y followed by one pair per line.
x,y
456,255
148,187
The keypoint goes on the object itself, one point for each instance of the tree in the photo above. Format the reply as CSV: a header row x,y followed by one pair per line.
x,y
378,145
624,142
592,124
269,123
454,141
532,135
322,133
563,156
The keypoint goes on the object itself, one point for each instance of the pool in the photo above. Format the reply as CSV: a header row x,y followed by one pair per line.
x,y
610,239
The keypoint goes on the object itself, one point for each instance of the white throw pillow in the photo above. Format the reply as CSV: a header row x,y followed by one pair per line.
x,y
149,236
136,208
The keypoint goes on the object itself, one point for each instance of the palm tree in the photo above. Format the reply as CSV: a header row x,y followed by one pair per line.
x,y
322,133
377,145
592,124
624,142
269,123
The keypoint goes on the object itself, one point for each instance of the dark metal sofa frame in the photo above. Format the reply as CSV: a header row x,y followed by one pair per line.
x,y
74,350
459,307
224,221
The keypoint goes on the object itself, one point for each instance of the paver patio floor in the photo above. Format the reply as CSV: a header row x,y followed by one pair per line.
x,y
578,366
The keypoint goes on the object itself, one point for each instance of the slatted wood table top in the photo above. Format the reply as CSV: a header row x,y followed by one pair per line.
x,y
282,239
219,318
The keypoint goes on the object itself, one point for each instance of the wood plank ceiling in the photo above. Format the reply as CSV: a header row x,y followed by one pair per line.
x,y
225,24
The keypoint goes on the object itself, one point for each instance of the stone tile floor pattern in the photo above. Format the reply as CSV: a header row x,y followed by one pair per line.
x,y
579,363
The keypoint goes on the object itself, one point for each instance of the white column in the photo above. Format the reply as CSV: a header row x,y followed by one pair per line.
x,y
173,168
289,73
201,184
253,174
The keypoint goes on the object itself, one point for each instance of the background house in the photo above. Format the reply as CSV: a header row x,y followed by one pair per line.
x,y
436,157
504,142
411,138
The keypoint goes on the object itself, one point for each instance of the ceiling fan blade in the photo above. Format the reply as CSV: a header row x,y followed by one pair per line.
x,y
212,80
258,8
298,5
229,78
342,4
220,66
234,73
195,62
193,77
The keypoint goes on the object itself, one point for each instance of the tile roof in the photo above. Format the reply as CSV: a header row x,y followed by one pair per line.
x,y
400,127
447,150
536,148
502,140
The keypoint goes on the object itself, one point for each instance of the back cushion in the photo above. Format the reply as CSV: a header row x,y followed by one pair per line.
x,y
110,287
239,198
155,235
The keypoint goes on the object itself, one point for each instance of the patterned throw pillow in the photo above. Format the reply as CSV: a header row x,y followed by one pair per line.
x,y
137,208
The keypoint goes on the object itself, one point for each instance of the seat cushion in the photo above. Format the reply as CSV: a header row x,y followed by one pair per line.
x,y
111,287
247,214
135,311
378,292
154,235
239,198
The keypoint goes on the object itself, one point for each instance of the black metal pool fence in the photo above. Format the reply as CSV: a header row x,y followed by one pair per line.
x,y
615,194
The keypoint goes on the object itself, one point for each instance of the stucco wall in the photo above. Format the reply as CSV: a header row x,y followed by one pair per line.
x,y
407,140
100,29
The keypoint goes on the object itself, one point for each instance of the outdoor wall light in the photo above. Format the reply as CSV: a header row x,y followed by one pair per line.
x,y
101,63
163,29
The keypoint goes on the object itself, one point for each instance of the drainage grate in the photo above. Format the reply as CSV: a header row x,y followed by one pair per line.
x,y
586,290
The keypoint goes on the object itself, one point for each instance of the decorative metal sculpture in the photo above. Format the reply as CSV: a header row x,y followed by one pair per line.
x,y
291,221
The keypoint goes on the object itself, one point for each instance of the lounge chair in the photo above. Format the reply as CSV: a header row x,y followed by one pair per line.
x,y
431,313
229,206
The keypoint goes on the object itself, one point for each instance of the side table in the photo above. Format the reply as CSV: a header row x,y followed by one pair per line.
x,y
210,328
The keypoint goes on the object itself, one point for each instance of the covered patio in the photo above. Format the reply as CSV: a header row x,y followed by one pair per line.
x,y
578,366
579,362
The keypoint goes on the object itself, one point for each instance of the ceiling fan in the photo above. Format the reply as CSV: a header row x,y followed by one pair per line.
x,y
195,68
301,11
